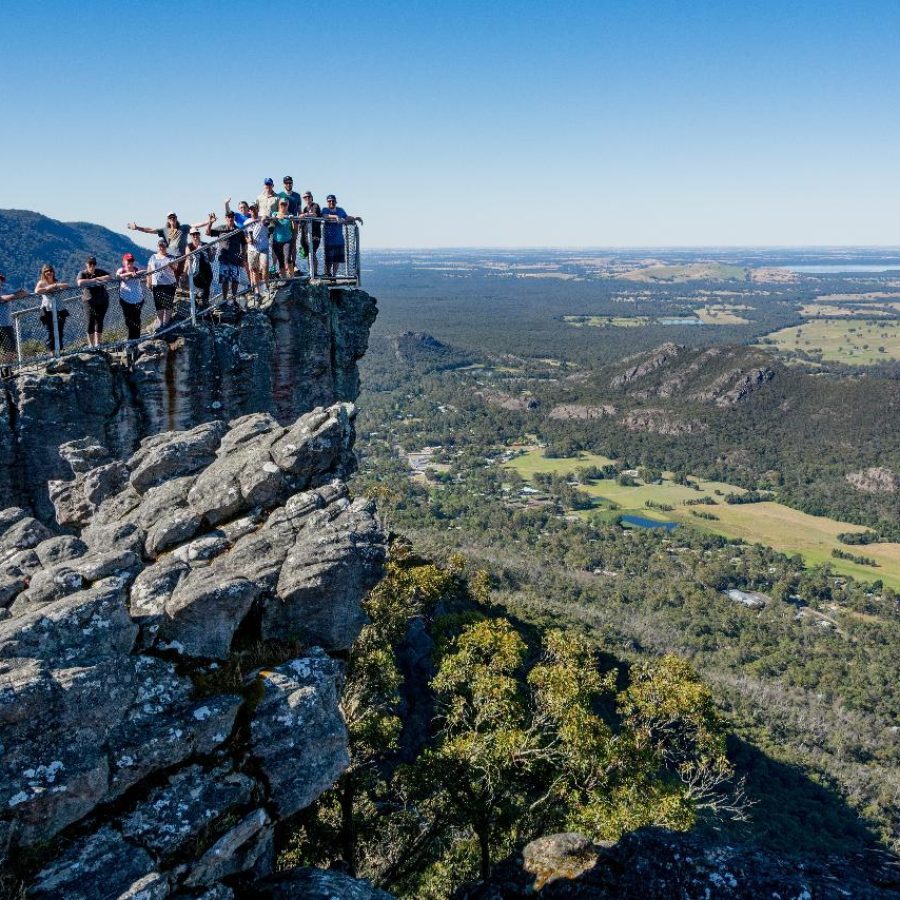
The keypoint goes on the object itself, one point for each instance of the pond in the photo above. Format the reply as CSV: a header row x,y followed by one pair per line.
x,y
641,522
680,321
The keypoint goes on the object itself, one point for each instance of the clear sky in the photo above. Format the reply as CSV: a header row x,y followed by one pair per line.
x,y
500,123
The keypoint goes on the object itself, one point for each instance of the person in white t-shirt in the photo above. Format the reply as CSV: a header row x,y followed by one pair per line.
x,y
161,280
257,230
131,295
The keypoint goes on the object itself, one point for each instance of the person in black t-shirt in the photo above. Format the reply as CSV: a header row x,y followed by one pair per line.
x,y
310,210
232,250
95,298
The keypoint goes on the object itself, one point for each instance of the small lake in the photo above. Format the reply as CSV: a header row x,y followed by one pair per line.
x,y
837,269
680,321
641,522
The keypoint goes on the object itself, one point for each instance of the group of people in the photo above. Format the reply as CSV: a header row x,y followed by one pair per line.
x,y
265,232
268,229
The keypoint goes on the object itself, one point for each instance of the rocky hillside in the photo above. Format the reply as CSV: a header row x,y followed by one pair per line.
x,y
30,239
166,690
298,353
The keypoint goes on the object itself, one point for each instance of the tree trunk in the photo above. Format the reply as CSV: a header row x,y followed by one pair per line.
x,y
483,836
348,831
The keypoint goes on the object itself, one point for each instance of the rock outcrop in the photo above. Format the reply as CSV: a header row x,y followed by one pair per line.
x,y
655,864
874,480
297,353
166,697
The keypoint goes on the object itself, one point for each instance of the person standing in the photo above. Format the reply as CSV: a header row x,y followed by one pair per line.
x,y
267,201
311,210
95,298
282,235
161,280
176,237
200,268
131,295
7,331
294,203
232,254
47,284
257,232
335,218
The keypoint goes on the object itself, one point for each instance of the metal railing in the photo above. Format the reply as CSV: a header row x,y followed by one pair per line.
x,y
45,324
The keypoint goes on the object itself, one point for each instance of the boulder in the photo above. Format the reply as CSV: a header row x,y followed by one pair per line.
x,y
297,733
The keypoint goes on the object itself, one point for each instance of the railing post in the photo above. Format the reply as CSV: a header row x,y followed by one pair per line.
x,y
18,321
55,319
358,266
191,289
310,248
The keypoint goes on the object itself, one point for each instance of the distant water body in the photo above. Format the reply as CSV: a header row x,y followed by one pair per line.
x,y
836,269
641,522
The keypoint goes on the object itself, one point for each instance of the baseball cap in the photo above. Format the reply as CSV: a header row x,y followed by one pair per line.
x,y
331,197
268,181
127,257
287,178
194,231
91,259
172,216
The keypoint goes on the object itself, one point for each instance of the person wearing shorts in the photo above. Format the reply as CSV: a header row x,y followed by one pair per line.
x,y
333,234
231,254
257,232
161,281
95,298
131,295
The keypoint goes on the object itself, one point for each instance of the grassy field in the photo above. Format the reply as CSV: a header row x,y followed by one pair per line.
x,y
689,272
720,315
533,461
831,311
772,524
607,321
855,341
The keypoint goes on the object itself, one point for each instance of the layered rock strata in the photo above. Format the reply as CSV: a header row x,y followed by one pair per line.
x,y
167,696
297,353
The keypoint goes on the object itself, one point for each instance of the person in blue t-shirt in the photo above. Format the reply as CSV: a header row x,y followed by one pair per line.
x,y
333,234
242,216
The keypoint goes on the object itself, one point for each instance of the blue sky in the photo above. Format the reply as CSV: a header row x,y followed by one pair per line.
x,y
466,123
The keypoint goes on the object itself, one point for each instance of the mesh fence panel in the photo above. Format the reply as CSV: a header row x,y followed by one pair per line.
x,y
33,319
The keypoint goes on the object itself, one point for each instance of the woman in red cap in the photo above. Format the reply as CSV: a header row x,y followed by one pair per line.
x,y
131,295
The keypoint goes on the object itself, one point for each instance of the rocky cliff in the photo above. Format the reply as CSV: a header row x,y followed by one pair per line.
x,y
179,577
298,353
166,690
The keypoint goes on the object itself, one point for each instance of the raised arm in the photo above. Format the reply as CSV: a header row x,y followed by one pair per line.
x,y
207,221
133,227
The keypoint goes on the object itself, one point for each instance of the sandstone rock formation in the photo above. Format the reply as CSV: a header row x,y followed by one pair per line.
x,y
297,353
166,697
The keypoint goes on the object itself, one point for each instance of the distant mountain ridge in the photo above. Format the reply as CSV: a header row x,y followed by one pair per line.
x,y
29,239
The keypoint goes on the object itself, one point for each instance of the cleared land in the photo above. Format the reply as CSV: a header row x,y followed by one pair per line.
x,y
533,461
721,315
689,272
855,341
831,310
772,524
607,321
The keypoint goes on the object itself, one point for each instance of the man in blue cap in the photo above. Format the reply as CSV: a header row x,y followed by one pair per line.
x,y
267,200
